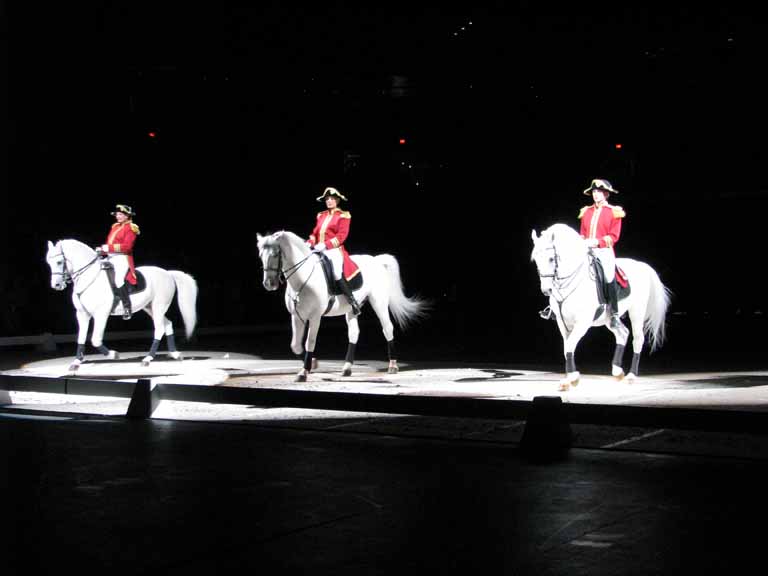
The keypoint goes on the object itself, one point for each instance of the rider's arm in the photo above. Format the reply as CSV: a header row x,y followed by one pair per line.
x,y
342,231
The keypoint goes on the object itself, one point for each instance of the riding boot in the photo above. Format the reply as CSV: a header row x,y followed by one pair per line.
x,y
126,300
348,293
613,304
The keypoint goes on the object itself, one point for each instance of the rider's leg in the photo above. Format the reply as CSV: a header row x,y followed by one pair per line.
x,y
348,293
608,262
613,303
121,269
338,268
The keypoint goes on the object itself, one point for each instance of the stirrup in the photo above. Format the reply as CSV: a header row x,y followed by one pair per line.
x,y
546,314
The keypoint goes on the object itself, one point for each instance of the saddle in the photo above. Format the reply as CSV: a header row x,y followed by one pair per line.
x,y
141,283
621,280
334,289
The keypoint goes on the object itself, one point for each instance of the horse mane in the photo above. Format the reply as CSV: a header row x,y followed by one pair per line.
x,y
271,238
77,243
559,230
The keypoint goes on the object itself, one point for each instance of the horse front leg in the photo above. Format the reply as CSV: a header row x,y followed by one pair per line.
x,y
313,325
298,335
97,338
353,333
83,322
570,341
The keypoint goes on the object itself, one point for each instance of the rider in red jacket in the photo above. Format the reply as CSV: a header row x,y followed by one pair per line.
x,y
330,233
601,228
119,250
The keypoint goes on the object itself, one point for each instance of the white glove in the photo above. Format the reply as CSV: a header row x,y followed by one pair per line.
x,y
99,250
593,242
320,247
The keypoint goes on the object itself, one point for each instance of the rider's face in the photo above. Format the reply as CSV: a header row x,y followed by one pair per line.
x,y
331,202
121,217
598,196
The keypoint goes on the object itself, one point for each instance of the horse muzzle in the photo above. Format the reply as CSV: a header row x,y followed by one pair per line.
x,y
58,285
271,284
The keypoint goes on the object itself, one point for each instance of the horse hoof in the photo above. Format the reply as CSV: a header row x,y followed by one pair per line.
x,y
146,361
301,378
314,364
74,366
393,370
113,355
176,355
617,372
630,377
564,387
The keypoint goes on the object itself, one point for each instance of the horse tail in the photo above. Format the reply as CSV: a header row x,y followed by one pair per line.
x,y
186,288
404,309
655,326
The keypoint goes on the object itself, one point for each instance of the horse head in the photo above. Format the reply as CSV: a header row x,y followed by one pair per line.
x,y
271,256
60,274
544,256
557,252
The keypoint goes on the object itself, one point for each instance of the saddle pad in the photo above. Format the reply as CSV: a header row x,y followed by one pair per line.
x,y
141,284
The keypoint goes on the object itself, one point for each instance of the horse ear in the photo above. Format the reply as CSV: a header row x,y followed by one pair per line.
x,y
534,236
50,245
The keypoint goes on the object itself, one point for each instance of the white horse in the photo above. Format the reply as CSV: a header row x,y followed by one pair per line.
x,y
284,254
73,262
566,276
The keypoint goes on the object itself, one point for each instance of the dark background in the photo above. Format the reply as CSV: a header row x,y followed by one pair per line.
x,y
508,110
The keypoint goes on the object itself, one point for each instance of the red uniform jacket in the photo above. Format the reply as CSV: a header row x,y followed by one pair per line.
x,y
602,222
120,241
332,229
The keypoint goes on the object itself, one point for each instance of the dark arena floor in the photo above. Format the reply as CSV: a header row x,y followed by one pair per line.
x,y
280,489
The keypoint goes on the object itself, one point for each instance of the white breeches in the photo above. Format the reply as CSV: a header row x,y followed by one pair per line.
x,y
120,262
608,259
336,258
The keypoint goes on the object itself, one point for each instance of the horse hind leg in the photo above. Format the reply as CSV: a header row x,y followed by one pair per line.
x,y
381,308
353,333
638,340
170,340
393,368
618,361
158,320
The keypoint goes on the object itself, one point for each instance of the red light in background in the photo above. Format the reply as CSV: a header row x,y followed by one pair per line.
x,y
401,141
618,146
152,134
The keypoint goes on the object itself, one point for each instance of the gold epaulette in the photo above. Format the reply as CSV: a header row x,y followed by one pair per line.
x,y
345,214
618,212
135,229
581,213
321,213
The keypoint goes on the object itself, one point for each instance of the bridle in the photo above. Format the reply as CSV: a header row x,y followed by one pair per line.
x,y
560,283
68,276
285,275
